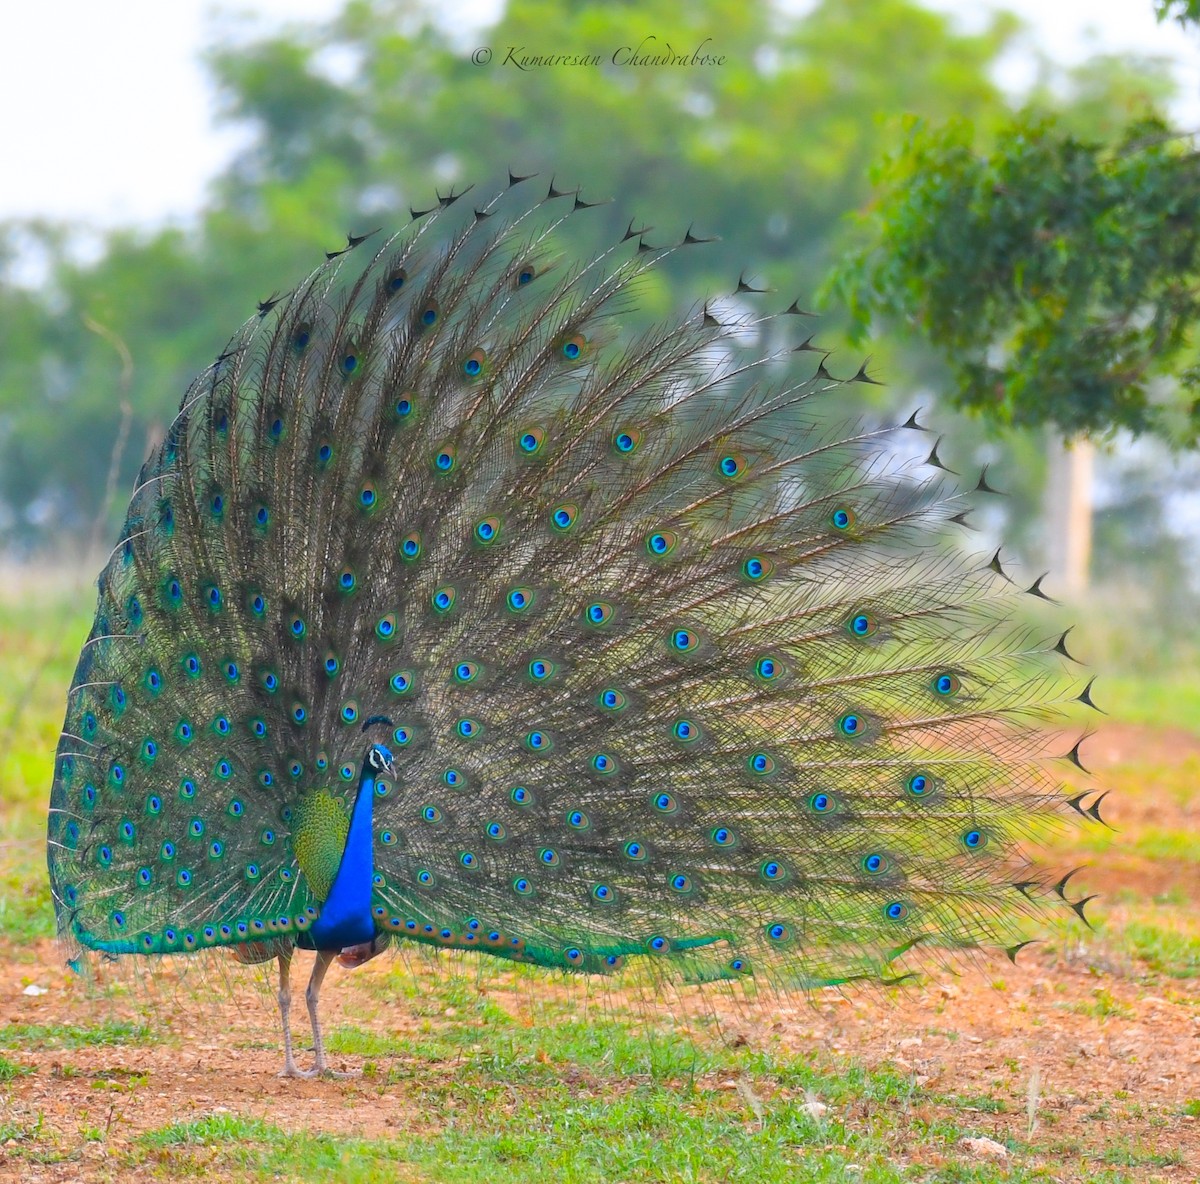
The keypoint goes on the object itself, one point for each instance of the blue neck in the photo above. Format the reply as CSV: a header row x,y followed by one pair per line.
x,y
345,918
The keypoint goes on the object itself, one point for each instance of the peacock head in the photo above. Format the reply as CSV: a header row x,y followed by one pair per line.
x,y
379,759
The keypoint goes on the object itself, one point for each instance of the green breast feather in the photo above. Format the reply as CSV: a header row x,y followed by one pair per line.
x,y
319,838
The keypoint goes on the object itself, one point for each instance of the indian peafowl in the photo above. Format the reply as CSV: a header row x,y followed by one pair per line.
x,y
447,613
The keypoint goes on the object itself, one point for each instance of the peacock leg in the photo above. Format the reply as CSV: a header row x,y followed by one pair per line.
x,y
290,1068
312,996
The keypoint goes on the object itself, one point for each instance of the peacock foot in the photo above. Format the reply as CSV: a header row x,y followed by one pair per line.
x,y
296,1072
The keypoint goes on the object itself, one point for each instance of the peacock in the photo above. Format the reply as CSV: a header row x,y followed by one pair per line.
x,y
451,611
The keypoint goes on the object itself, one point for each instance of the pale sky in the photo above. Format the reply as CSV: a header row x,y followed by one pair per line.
x,y
109,115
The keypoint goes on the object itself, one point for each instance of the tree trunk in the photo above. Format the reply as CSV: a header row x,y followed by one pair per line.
x,y
1069,514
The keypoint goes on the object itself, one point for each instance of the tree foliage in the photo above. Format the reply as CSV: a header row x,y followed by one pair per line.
x,y
1058,277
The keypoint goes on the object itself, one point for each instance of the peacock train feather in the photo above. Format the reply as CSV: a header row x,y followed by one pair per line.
x,y
447,612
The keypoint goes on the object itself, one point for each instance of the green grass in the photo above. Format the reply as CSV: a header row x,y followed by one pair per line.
x,y
575,1134
105,1034
1167,699
1166,950
11,1069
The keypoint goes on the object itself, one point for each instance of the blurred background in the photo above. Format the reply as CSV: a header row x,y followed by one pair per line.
x,y
994,205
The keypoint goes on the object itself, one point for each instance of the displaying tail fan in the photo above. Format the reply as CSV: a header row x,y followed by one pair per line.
x,y
446,612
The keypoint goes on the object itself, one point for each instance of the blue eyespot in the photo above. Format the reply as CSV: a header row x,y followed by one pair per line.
x,y
762,763
562,518
683,641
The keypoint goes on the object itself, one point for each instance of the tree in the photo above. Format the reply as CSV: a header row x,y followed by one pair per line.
x,y
767,150
1057,277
